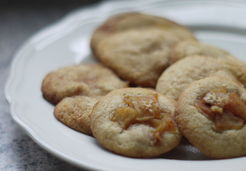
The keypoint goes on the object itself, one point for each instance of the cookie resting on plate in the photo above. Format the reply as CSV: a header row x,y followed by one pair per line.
x,y
191,48
82,79
139,56
137,21
75,112
135,122
212,116
179,75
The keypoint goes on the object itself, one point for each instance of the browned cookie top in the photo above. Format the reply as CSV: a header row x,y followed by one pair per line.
x,y
83,79
136,20
137,46
139,56
75,112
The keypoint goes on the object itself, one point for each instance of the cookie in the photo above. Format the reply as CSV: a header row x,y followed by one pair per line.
x,y
191,48
75,112
135,20
138,56
84,79
179,75
135,122
212,116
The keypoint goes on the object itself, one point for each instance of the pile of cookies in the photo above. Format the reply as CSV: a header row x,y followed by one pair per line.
x,y
155,83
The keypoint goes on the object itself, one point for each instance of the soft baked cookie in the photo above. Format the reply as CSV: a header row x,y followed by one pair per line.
x,y
212,116
139,56
135,122
75,112
137,21
191,48
179,75
82,79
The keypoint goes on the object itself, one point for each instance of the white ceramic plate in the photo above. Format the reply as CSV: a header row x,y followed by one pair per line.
x,y
221,23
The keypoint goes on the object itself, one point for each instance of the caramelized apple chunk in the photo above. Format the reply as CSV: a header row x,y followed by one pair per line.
x,y
144,110
124,116
226,109
227,121
146,105
164,125
236,106
205,108
216,97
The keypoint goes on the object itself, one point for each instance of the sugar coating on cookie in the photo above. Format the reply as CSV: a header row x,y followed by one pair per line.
x,y
135,122
75,112
139,56
82,79
212,116
191,48
179,75
135,20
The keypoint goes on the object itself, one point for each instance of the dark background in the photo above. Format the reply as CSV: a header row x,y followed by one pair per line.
x,y
20,19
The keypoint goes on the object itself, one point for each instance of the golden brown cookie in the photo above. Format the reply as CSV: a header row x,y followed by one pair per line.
x,y
137,46
135,20
191,48
75,112
139,56
178,76
83,79
135,122
212,116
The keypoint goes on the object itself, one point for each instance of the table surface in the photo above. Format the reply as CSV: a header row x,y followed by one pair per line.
x,y
18,21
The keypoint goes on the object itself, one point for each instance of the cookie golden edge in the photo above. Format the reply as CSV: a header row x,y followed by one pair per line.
x,y
75,112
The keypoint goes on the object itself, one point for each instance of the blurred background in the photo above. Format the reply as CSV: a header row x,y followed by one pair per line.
x,y
18,21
